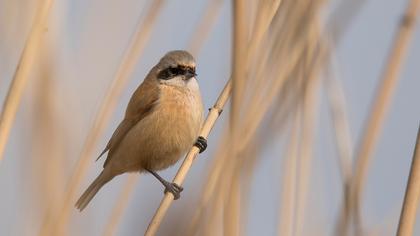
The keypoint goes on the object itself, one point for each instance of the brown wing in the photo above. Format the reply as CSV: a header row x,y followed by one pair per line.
x,y
141,104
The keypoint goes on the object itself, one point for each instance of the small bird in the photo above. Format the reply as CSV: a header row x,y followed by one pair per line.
x,y
162,121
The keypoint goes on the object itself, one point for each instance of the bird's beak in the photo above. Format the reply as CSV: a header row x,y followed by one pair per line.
x,y
190,74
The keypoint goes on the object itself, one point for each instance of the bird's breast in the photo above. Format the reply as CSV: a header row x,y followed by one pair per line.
x,y
159,140
176,120
180,113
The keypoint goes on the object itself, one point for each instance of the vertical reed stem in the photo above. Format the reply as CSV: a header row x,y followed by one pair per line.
x,y
56,219
412,195
380,107
22,73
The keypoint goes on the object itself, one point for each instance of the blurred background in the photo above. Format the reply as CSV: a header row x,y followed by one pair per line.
x,y
283,150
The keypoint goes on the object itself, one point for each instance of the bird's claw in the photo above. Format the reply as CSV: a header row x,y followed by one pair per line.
x,y
174,188
201,143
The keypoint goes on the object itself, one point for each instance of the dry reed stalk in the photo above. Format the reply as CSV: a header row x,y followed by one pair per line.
x,y
57,219
196,43
380,107
338,110
264,16
221,181
253,106
286,58
288,191
338,22
47,138
237,174
187,163
239,47
210,228
121,205
232,205
343,143
309,117
287,214
207,193
412,195
212,221
239,51
203,28
22,73
214,224
342,17
253,115
317,60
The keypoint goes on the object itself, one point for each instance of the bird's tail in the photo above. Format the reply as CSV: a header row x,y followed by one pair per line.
x,y
91,191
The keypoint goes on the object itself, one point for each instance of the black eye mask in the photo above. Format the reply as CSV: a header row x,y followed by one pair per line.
x,y
172,72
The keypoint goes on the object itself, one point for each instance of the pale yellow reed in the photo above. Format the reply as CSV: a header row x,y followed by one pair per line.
x,y
412,195
22,73
380,107
57,219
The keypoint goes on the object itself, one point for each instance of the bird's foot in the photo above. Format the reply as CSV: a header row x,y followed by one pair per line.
x,y
201,143
174,188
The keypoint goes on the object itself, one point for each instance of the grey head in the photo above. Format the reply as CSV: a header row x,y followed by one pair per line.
x,y
176,64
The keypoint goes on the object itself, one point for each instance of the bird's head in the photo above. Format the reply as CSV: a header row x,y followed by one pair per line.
x,y
176,67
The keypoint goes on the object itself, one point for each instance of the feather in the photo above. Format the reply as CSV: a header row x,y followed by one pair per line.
x,y
141,104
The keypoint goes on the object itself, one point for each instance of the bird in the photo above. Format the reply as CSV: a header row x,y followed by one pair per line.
x,y
162,121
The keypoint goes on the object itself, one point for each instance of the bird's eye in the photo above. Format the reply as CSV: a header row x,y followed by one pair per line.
x,y
175,71
172,72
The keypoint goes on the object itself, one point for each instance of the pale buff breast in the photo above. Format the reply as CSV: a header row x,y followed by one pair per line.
x,y
160,139
179,117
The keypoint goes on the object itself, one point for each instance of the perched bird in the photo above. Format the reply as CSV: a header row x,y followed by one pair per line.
x,y
162,121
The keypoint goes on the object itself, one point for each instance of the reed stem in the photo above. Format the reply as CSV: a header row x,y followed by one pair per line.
x,y
381,104
412,195
22,73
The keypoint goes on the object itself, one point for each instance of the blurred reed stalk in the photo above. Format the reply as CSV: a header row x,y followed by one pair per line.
x,y
265,14
232,203
342,17
48,138
196,43
271,87
344,144
193,228
57,219
310,108
289,175
337,24
412,195
314,58
379,109
338,110
121,205
22,73
203,28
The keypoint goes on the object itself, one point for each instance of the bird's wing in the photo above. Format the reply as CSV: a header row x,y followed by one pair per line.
x,y
141,104
117,136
